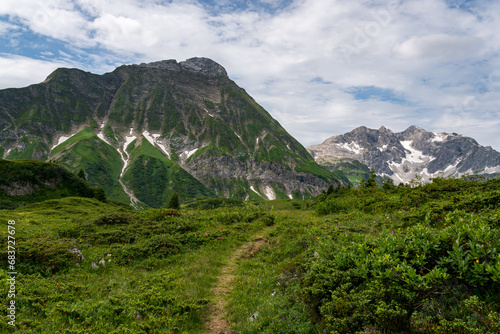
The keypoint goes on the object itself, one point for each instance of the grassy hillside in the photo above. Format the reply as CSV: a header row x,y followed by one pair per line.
x,y
29,181
101,162
367,260
154,178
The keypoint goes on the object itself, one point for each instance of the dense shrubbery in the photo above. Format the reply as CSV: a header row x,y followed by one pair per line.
x,y
433,266
370,260
359,281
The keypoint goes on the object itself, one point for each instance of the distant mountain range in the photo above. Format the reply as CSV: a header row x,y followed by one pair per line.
x,y
400,156
143,132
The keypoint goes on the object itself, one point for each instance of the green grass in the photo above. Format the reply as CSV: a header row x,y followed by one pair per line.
x,y
154,178
421,260
38,181
168,288
86,133
99,160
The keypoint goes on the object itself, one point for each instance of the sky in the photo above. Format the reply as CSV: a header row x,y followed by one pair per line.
x,y
320,67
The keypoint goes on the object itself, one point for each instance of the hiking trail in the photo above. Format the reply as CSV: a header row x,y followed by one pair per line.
x,y
217,316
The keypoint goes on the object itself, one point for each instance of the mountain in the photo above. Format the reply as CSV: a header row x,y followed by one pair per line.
x,y
29,181
145,131
403,155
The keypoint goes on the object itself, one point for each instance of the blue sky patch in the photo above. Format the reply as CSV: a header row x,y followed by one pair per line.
x,y
376,93
320,80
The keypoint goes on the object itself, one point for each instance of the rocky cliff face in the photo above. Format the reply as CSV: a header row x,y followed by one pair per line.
x,y
179,120
403,155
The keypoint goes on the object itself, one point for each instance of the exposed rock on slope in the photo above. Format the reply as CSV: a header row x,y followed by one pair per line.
x,y
190,127
403,155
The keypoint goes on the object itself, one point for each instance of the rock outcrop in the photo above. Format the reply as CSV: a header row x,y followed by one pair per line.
x,y
403,155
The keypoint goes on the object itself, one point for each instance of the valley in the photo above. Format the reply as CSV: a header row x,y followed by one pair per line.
x,y
370,232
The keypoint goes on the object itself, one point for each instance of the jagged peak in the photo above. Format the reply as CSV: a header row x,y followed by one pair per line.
x,y
413,129
170,64
360,129
204,65
384,129
197,64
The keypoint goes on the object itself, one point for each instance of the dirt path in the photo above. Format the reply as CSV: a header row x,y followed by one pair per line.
x,y
217,320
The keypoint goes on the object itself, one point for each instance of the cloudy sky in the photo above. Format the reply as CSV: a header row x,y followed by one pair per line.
x,y
320,67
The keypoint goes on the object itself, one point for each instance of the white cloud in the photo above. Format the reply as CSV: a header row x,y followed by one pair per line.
x,y
441,46
433,55
118,33
21,71
6,28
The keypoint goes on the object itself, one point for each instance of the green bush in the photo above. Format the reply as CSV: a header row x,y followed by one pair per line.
x,y
113,219
362,282
43,255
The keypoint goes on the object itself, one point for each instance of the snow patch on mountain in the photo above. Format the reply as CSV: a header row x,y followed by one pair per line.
x,y
491,170
125,156
354,147
269,192
190,153
155,141
439,136
62,139
401,156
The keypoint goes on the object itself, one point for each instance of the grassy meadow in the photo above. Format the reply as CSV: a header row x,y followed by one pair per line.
x,y
369,260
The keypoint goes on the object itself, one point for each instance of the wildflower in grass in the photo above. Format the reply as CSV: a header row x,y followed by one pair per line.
x,y
138,316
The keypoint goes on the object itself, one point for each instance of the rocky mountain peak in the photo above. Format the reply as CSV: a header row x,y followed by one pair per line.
x,y
402,155
384,129
152,129
197,64
203,65
170,64
413,130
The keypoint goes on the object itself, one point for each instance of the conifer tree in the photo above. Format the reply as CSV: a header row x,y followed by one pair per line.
x,y
370,182
100,194
330,190
81,174
174,202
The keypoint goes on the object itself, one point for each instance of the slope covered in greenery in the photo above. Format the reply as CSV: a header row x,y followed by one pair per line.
x,y
200,119
100,161
28,181
369,260
154,178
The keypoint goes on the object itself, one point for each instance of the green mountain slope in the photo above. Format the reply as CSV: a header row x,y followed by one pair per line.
x,y
100,161
30,181
154,178
191,112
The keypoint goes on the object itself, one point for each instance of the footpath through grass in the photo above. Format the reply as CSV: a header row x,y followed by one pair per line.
x,y
369,260
155,269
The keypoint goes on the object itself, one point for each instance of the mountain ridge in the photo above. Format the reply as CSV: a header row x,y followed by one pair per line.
x,y
414,151
189,111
